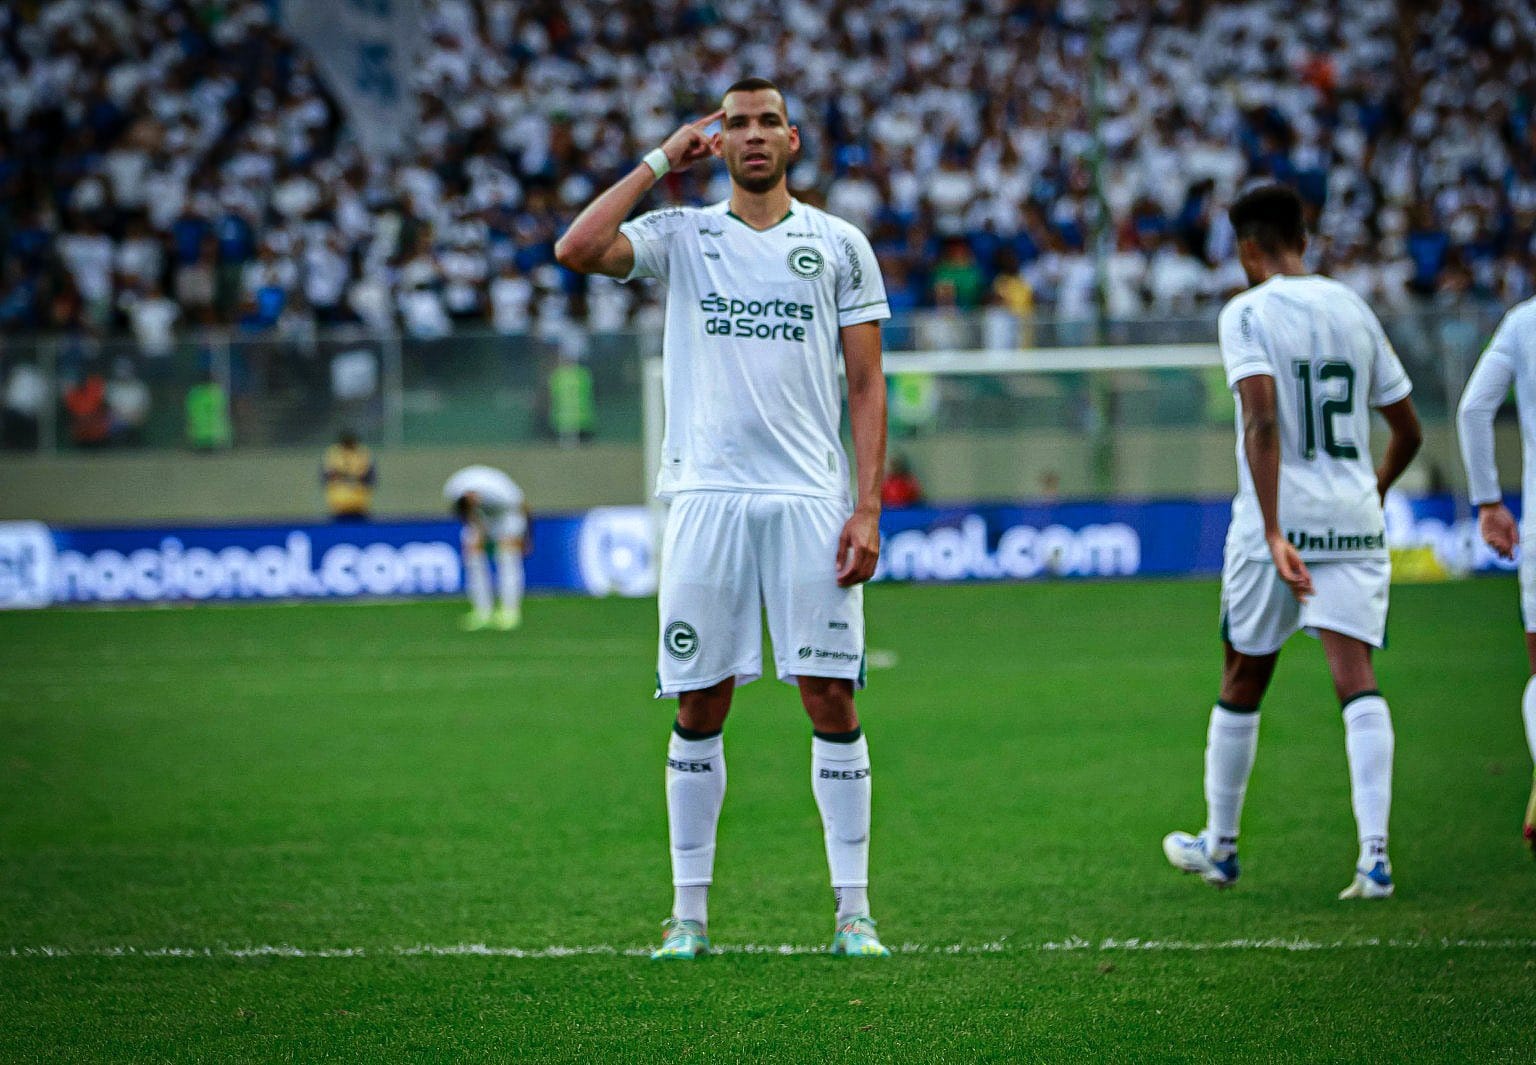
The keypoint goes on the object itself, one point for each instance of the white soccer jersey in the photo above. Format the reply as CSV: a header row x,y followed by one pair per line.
x,y
752,345
1509,360
498,493
1331,363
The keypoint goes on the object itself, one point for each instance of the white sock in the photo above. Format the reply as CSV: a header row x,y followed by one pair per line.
x,y
509,578
477,582
695,792
840,782
1528,710
1368,741
1230,745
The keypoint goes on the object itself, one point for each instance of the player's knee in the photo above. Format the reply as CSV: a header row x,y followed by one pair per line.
x,y
829,703
705,709
1244,681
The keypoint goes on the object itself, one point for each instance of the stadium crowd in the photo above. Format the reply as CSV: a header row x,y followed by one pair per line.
x,y
175,162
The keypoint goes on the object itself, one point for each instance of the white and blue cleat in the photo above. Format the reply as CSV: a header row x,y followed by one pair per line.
x,y
1190,854
1372,883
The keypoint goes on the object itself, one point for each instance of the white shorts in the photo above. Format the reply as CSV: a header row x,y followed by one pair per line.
x,y
508,525
728,555
1527,584
1259,613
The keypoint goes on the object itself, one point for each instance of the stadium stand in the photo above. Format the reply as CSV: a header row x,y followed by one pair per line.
x,y
167,162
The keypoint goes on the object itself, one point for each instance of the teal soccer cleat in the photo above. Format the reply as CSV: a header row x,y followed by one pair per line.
x,y
856,937
684,941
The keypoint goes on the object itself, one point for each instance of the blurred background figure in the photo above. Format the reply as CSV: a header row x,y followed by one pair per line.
x,y
348,475
572,405
85,407
208,425
900,488
493,511
128,403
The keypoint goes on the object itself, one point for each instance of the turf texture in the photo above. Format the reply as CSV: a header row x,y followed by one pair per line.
x,y
324,833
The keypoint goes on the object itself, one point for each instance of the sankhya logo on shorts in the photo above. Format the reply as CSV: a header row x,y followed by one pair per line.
x,y
681,641
807,263
805,652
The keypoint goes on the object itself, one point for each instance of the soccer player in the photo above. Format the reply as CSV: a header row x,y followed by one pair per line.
x,y
1510,359
764,294
1307,545
493,510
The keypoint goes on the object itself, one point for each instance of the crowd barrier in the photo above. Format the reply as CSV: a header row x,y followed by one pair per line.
x,y
610,551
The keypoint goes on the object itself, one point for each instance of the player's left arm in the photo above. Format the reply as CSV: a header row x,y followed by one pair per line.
x,y
858,548
1403,420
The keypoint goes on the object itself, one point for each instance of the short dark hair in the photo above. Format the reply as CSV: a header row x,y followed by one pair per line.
x,y
461,508
756,85
1270,215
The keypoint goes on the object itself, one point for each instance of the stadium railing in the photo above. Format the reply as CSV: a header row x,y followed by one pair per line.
x,y
1108,381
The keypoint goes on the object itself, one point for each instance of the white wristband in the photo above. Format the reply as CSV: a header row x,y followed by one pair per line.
x,y
657,160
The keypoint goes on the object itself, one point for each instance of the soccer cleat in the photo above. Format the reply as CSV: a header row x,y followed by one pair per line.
x,y
507,620
684,941
856,937
1530,819
474,621
1372,883
1189,854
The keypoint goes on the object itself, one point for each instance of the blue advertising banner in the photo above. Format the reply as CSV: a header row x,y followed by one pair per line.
x,y
610,551
605,551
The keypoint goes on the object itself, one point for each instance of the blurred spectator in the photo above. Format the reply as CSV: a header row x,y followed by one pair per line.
x,y
958,270
572,406
208,425
85,408
900,488
21,413
154,320
348,475
128,403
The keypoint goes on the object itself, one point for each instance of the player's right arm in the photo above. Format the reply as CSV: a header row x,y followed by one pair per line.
x,y
593,243
1251,372
1261,448
1484,394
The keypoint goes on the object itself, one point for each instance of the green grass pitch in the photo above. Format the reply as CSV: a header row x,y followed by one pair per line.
x,y
363,783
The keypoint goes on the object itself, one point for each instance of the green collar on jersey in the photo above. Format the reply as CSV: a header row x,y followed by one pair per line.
x,y
732,214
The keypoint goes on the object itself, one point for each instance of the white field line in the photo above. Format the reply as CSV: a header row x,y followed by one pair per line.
x,y
996,947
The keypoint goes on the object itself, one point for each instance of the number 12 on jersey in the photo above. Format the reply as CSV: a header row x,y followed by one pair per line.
x,y
1312,412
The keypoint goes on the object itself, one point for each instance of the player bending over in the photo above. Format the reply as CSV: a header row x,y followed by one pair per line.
x,y
493,510
1510,359
764,294
1307,546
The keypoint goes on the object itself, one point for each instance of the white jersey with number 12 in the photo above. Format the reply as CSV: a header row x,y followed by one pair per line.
x,y
1331,363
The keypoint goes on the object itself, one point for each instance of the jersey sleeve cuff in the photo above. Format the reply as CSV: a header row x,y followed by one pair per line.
x,y
1397,392
1247,370
877,311
635,245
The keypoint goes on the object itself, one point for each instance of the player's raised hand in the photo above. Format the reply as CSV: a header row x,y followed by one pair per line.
x,y
858,548
690,143
1293,571
1498,528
